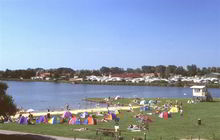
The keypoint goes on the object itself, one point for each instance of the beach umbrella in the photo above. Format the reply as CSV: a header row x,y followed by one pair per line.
x,y
30,110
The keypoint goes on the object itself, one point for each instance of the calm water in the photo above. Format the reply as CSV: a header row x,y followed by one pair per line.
x,y
44,95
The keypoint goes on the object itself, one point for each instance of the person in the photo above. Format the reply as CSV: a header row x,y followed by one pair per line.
x,y
18,119
7,119
108,107
181,112
45,119
131,108
67,107
30,118
48,114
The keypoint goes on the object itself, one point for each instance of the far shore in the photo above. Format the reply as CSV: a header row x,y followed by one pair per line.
x,y
159,84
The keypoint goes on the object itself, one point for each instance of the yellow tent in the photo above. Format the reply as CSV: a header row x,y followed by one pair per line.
x,y
174,110
109,117
116,112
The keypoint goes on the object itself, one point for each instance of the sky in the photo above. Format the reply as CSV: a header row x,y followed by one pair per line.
x,y
89,34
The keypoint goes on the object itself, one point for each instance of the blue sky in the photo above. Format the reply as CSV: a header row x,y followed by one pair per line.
x,y
89,34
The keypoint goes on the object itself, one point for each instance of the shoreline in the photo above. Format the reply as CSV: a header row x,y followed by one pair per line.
x,y
180,85
57,112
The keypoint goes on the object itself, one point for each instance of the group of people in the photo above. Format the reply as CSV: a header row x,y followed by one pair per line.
x,y
6,119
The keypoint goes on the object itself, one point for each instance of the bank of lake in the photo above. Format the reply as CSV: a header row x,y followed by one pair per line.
x,y
157,83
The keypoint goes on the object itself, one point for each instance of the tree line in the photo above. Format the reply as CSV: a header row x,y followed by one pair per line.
x,y
162,70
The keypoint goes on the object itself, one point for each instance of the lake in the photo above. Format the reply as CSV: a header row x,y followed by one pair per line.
x,y
44,95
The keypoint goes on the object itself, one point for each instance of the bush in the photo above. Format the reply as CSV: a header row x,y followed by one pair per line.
x,y
7,105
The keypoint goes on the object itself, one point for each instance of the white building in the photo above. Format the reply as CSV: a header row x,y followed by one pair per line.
x,y
201,92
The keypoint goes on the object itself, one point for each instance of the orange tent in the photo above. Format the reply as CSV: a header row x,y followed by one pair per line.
x,y
90,121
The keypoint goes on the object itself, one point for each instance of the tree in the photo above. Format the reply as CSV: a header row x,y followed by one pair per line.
x,y
117,70
138,70
84,73
161,69
130,70
148,69
7,105
170,70
181,71
96,72
192,70
204,71
105,70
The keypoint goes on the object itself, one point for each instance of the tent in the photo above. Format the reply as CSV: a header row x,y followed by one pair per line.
x,y
113,116
161,115
152,102
85,121
116,112
23,120
84,115
164,115
54,120
144,108
117,97
72,120
143,102
90,120
174,110
67,114
78,121
40,119
108,117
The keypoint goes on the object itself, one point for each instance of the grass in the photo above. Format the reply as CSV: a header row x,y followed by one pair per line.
x,y
177,126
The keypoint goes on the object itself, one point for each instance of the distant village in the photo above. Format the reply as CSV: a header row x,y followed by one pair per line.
x,y
135,78
149,75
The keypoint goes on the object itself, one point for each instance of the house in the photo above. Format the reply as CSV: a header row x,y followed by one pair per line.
x,y
201,93
45,74
76,79
213,75
127,75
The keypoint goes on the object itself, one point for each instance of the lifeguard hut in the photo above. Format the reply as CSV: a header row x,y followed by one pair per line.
x,y
201,93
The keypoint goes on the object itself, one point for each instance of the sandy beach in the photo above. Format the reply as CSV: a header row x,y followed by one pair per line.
x,y
77,111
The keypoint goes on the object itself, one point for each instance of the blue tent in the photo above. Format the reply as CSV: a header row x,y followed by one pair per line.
x,y
113,116
54,120
145,108
84,115
23,120
85,121
40,119
78,121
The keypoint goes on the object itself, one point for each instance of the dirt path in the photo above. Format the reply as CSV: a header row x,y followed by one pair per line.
x,y
12,135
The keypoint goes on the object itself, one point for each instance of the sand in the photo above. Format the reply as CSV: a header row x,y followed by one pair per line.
x,y
36,114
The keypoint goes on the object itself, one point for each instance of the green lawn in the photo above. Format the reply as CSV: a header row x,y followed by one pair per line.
x,y
177,126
